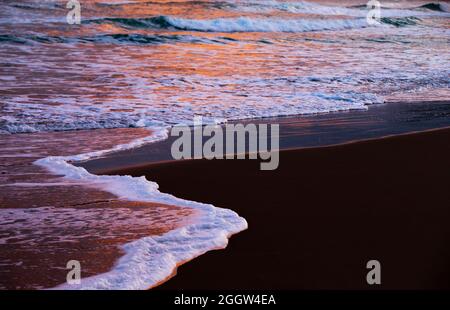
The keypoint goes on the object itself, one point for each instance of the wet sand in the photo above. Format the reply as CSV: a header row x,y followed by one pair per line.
x,y
43,202
46,220
309,131
316,220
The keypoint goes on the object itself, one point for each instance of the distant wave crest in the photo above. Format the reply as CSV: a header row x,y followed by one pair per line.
x,y
239,24
400,21
247,24
440,7
359,10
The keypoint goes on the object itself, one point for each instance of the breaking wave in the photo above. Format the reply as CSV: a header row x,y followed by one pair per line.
x,y
239,24
254,24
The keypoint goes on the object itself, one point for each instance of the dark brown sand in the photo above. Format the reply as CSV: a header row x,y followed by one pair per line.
x,y
379,120
316,221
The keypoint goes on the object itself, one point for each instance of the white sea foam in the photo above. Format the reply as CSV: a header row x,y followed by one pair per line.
x,y
72,117
297,7
152,259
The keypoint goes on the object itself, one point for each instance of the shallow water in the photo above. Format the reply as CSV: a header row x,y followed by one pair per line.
x,y
47,220
139,63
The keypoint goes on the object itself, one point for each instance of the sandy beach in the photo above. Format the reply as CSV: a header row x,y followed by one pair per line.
x,y
317,220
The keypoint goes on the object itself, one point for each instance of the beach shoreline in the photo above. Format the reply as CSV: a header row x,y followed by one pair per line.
x,y
317,133
299,134
304,131
306,140
317,220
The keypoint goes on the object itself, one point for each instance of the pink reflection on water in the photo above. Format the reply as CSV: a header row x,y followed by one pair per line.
x,y
46,220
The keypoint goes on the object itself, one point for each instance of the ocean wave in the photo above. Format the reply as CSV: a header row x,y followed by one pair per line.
x,y
401,21
253,97
440,7
305,7
239,24
145,23
300,7
251,24
57,118
118,38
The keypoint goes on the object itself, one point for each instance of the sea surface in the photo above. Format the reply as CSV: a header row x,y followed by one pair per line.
x,y
133,69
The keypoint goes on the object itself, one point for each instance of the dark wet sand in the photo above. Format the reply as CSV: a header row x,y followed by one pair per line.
x,y
317,220
310,131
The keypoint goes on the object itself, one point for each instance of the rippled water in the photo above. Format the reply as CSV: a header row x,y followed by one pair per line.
x,y
140,63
